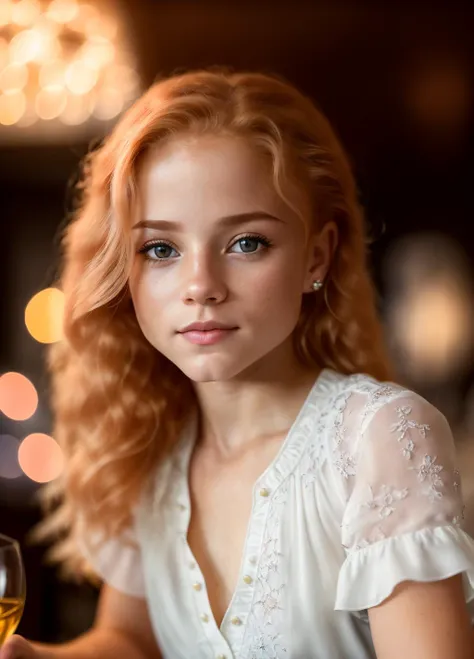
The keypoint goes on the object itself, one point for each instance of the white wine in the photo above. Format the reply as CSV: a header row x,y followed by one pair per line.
x,y
11,609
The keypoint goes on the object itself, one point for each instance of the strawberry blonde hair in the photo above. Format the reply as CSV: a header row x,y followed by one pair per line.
x,y
118,403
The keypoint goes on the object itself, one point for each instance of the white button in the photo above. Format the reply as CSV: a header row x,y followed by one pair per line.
x,y
181,506
204,617
248,579
236,620
253,559
221,656
264,492
197,586
192,565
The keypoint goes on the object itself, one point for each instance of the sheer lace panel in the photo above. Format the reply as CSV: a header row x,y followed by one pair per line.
x,y
404,478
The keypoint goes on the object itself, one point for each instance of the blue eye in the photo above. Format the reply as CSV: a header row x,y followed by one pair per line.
x,y
249,244
158,251
163,251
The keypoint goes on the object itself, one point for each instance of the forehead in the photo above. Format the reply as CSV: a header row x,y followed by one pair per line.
x,y
208,176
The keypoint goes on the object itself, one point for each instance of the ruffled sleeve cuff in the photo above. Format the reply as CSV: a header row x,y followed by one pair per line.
x,y
118,564
370,574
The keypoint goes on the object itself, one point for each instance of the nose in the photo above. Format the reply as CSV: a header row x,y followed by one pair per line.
x,y
204,282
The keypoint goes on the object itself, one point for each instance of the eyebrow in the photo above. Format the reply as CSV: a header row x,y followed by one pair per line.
x,y
227,221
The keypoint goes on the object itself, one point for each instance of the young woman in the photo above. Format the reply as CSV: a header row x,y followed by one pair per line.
x,y
241,471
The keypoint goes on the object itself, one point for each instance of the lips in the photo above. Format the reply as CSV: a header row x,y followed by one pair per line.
x,y
207,337
207,326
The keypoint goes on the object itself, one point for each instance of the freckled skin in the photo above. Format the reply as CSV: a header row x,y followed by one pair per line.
x,y
206,276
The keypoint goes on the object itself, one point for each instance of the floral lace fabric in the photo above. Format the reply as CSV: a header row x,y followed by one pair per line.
x,y
401,465
363,495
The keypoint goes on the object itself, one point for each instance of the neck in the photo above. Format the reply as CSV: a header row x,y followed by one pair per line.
x,y
254,406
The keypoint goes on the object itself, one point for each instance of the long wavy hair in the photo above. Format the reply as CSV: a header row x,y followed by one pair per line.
x,y
118,403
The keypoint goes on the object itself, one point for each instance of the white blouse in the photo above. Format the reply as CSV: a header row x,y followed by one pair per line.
x,y
363,495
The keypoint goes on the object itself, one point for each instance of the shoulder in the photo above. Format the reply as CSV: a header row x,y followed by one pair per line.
x,y
362,386
380,419
359,399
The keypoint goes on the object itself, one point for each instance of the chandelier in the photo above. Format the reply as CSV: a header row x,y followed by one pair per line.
x,y
62,64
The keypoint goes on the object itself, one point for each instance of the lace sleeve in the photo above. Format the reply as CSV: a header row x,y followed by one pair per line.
x,y
403,519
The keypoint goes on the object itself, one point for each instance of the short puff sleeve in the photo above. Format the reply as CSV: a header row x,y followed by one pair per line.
x,y
403,519
117,561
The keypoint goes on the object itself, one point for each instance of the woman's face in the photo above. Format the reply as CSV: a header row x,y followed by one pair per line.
x,y
215,243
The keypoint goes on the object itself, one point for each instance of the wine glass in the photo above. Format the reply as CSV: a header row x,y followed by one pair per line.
x,y
12,587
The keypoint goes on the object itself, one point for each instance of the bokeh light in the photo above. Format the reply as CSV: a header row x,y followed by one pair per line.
x,y
44,315
98,52
40,457
80,77
63,11
430,312
50,102
18,397
35,45
9,465
77,110
63,61
5,13
4,58
440,344
13,78
12,108
108,104
52,74
25,12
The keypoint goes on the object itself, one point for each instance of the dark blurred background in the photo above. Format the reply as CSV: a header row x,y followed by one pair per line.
x,y
397,82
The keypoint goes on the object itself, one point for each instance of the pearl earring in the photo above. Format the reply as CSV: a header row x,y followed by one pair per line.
x,y
317,285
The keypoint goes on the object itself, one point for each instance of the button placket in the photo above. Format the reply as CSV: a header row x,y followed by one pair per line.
x,y
209,625
201,600
202,609
236,622
197,585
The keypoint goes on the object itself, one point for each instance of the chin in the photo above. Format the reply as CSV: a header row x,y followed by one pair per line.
x,y
210,372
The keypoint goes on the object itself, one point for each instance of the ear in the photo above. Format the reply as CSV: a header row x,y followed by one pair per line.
x,y
321,248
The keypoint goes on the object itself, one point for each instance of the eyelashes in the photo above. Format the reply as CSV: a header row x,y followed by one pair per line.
x,y
152,245
149,249
255,238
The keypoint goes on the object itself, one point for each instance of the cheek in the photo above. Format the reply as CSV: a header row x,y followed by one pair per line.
x,y
147,298
278,290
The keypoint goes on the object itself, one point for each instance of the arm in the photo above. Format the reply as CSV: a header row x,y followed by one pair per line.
x,y
122,630
423,620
